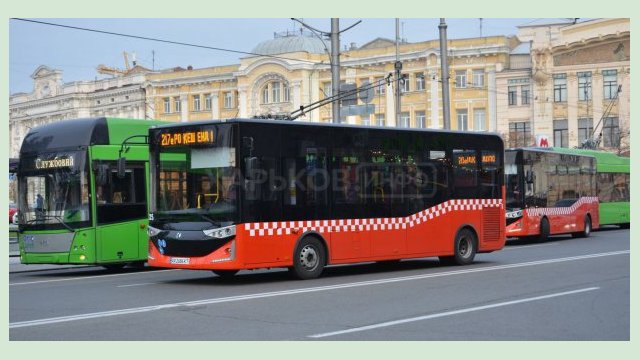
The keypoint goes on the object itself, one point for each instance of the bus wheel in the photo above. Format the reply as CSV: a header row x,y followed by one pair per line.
x,y
465,248
624,226
308,259
587,228
225,274
545,229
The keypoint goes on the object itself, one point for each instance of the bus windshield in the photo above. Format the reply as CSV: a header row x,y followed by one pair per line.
x,y
54,191
513,181
196,184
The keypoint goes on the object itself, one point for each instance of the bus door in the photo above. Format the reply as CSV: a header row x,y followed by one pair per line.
x,y
121,208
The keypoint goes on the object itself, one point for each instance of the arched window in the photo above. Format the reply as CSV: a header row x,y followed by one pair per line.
x,y
275,92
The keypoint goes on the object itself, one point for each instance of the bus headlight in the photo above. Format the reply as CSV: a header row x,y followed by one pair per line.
x,y
221,233
153,231
514,214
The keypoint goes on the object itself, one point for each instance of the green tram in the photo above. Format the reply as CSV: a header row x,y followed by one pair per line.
x,y
612,184
74,206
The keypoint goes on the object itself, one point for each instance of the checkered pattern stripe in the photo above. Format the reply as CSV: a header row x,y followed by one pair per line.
x,y
328,226
562,210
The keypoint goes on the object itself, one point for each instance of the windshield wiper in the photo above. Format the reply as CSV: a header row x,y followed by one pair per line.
x,y
44,217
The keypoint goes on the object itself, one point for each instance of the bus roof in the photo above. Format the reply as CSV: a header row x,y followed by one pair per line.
x,y
315,124
605,161
83,132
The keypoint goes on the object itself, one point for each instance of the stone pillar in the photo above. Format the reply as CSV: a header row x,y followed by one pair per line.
x,y
215,106
242,101
493,101
184,108
391,106
435,100
572,108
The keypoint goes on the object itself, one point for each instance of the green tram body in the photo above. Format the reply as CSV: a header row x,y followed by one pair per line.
x,y
110,232
613,183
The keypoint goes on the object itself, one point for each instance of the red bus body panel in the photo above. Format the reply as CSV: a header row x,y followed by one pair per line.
x,y
428,233
562,220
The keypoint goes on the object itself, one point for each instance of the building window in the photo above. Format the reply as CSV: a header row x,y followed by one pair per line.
x,y
585,128
326,89
365,120
519,134
177,104
380,120
207,102
421,119
560,87
405,120
513,95
478,78
525,95
463,122
265,95
228,100
404,84
419,82
380,86
479,119
561,133
167,105
196,102
275,92
611,132
286,92
461,78
98,102
610,81
584,86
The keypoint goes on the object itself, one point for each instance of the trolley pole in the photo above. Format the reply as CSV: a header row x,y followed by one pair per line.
x,y
335,67
446,114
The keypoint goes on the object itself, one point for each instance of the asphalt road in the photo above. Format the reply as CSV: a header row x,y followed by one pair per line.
x,y
564,289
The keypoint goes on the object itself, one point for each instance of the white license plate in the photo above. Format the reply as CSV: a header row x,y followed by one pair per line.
x,y
182,261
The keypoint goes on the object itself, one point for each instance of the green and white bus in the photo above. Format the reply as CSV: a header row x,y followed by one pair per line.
x,y
612,185
74,206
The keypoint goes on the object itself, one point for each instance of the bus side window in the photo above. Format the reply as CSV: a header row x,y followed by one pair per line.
x,y
122,198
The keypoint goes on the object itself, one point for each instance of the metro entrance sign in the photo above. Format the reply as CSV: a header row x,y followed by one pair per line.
x,y
542,141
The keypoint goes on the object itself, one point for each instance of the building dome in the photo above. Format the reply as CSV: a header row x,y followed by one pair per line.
x,y
294,41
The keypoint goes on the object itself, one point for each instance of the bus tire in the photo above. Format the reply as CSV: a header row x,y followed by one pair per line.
x,y
624,226
309,259
225,274
587,228
545,229
465,248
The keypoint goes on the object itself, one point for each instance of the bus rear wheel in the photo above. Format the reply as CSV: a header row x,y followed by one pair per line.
x,y
114,267
225,274
309,259
465,249
545,229
587,228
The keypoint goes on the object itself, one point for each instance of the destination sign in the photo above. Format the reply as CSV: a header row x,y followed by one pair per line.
x,y
471,159
55,163
186,138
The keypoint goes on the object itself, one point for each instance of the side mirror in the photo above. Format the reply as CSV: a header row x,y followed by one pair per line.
x,y
122,165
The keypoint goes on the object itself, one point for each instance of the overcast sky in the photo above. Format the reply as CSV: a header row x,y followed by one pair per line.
x,y
77,53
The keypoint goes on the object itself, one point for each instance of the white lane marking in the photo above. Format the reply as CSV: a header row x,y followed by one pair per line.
x,y
142,284
516,247
450,313
90,277
299,291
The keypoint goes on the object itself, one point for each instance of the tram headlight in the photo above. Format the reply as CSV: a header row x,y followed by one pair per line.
x,y
221,233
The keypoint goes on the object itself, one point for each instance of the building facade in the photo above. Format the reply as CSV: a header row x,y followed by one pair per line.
x,y
52,100
576,87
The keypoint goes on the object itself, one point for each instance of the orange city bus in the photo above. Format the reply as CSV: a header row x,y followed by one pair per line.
x,y
247,194
550,193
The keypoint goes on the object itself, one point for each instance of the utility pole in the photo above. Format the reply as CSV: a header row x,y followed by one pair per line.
x,y
335,66
398,67
446,116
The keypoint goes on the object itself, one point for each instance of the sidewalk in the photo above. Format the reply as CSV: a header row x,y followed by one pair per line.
x,y
16,267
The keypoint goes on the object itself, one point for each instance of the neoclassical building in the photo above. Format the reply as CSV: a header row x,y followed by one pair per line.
x,y
575,86
557,80
294,70
52,100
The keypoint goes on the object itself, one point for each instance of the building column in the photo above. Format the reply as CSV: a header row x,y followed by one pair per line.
x,y
435,100
242,101
391,106
215,106
297,96
572,108
184,108
493,101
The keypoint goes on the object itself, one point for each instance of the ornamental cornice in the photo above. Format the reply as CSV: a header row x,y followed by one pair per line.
x,y
192,80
